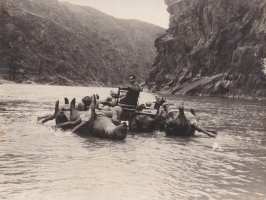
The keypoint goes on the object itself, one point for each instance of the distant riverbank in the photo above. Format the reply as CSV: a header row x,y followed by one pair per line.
x,y
145,89
6,82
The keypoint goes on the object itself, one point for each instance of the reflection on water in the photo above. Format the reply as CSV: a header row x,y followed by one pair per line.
x,y
37,162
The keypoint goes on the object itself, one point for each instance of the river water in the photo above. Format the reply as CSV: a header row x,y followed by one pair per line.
x,y
37,162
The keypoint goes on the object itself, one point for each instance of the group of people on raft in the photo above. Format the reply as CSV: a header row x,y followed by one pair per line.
x,y
109,108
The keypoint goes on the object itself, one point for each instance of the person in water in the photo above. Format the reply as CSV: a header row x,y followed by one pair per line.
x,y
168,111
62,108
82,106
114,113
85,103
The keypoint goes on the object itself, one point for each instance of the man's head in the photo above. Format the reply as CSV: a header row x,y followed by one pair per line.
x,y
132,79
160,100
86,100
165,106
109,99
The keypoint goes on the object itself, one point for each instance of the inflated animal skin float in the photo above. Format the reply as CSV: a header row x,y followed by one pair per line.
x,y
143,118
179,125
142,123
102,126
169,118
139,121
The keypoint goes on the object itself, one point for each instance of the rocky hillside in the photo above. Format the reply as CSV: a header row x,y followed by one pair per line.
x,y
212,47
59,43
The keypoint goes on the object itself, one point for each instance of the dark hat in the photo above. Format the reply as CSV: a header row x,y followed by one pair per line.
x,y
86,100
109,99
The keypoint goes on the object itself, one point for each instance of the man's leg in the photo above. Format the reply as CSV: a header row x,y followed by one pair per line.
x,y
46,116
212,131
50,117
201,130
39,118
116,114
83,123
74,123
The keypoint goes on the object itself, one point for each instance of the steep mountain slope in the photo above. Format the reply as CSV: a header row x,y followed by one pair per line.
x,y
60,43
212,47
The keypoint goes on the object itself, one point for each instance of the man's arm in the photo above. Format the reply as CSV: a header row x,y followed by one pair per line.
x,y
135,87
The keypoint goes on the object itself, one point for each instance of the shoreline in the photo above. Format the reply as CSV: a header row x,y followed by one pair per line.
x,y
2,81
145,89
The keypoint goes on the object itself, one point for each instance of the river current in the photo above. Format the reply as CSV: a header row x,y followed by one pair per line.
x,y
37,162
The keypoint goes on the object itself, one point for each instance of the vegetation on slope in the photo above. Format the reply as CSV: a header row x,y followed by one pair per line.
x,y
60,43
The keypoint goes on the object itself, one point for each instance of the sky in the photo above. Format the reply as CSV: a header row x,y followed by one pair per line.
x,y
151,11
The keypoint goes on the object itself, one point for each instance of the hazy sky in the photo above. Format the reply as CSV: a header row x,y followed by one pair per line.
x,y
152,11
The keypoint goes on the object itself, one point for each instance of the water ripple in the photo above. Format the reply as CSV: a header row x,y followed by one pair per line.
x,y
37,162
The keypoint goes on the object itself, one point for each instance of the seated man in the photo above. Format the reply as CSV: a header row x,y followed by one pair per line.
x,y
132,95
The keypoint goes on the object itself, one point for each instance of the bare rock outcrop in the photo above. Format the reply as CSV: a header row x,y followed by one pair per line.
x,y
212,48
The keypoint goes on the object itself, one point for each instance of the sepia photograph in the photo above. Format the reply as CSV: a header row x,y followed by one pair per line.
x,y
132,100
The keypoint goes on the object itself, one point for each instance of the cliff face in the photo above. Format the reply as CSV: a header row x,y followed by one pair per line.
x,y
59,43
212,47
